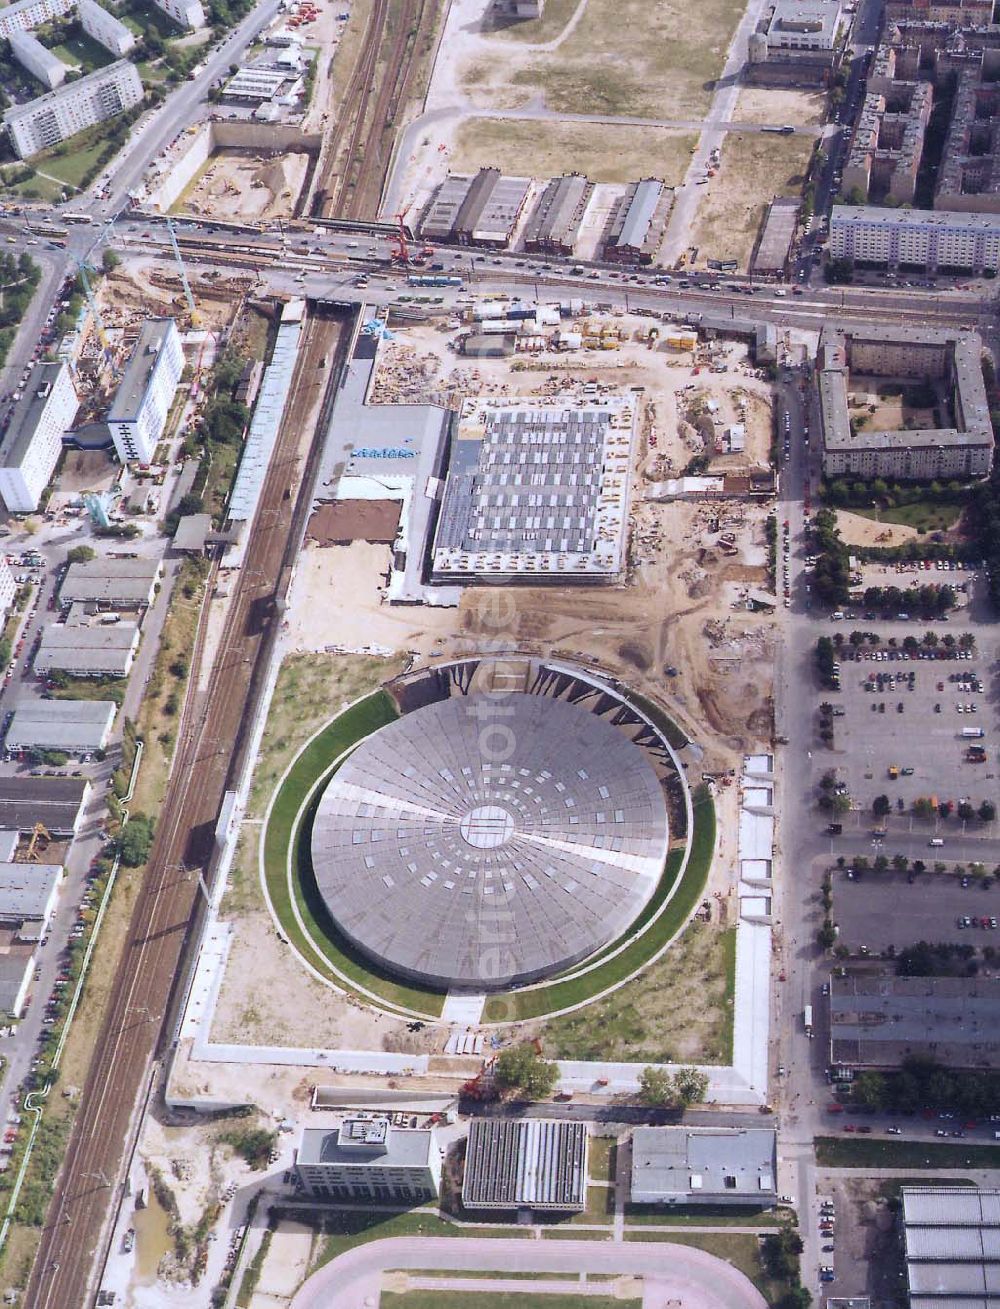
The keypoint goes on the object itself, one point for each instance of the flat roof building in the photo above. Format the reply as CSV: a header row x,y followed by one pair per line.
x,y
254,85
951,1240
553,226
367,1159
105,28
704,1165
638,221
111,581
187,14
804,25
476,208
16,966
97,650
27,897
878,1022
55,117
32,443
921,238
529,1163
55,802
536,488
771,257
41,63
139,411
925,355
76,727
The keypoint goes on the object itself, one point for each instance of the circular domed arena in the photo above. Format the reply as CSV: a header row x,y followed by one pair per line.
x,y
478,846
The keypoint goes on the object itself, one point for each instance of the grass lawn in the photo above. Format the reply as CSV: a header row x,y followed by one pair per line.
x,y
486,1299
141,14
73,165
754,169
91,688
603,1153
861,1152
922,515
84,51
600,1206
560,995
629,58
343,1229
891,1187
741,1249
286,829
700,1216
605,153
577,1234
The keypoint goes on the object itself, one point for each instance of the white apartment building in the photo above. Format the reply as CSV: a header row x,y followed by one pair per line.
x,y
60,114
29,52
186,13
105,28
31,445
23,15
8,587
924,238
142,402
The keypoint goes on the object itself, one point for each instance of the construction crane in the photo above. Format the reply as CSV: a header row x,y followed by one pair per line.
x,y
102,334
401,253
192,308
37,832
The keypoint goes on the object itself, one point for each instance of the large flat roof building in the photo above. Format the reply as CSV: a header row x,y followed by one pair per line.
x,y
528,1163
76,727
188,14
536,488
111,581
878,1022
772,255
138,413
27,897
921,238
638,221
55,802
951,1240
32,443
963,448
16,966
704,1165
367,1159
476,208
97,650
54,117
553,226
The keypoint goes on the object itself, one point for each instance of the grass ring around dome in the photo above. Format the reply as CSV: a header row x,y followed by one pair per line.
x,y
302,917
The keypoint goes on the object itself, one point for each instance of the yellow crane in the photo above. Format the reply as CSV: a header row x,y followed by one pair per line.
x,y
38,832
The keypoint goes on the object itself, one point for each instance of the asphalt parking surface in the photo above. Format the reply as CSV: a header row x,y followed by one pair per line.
x,y
883,909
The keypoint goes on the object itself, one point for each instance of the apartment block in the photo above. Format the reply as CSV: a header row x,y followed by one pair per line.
x,y
42,64
105,28
949,361
922,238
138,413
888,141
24,15
61,114
30,448
968,13
185,13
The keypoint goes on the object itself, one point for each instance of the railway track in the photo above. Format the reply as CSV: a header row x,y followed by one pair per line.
x,y
214,725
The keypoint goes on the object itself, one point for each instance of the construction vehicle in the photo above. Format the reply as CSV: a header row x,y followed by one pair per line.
x,y
401,251
38,832
893,772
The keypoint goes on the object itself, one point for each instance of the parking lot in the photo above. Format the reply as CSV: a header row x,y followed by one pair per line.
x,y
883,909
899,710
862,1244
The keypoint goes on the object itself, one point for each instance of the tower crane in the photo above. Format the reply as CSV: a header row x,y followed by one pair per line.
x,y
192,307
401,253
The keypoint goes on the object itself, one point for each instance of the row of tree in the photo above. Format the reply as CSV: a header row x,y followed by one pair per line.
x,y
520,1070
832,574
929,601
922,1083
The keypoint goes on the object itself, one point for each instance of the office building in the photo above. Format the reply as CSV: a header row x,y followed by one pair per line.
x,y
879,1021
54,117
476,209
638,221
565,518
920,238
76,727
24,15
368,1160
940,360
42,64
97,650
30,448
527,1163
186,13
139,411
553,226
951,1243
111,582
704,1165
105,28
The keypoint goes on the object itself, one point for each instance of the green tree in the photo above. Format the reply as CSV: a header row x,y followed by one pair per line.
x,y
109,261
987,811
827,935
522,1068
656,1086
871,1089
80,554
690,1086
135,840
965,811
881,806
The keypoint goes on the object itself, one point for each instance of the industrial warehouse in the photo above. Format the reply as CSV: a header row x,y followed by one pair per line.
x,y
951,1238
74,727
704,1165
536,488
532,1163
87,650
111,582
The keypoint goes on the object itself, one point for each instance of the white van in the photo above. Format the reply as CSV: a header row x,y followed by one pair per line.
x,y
936,842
